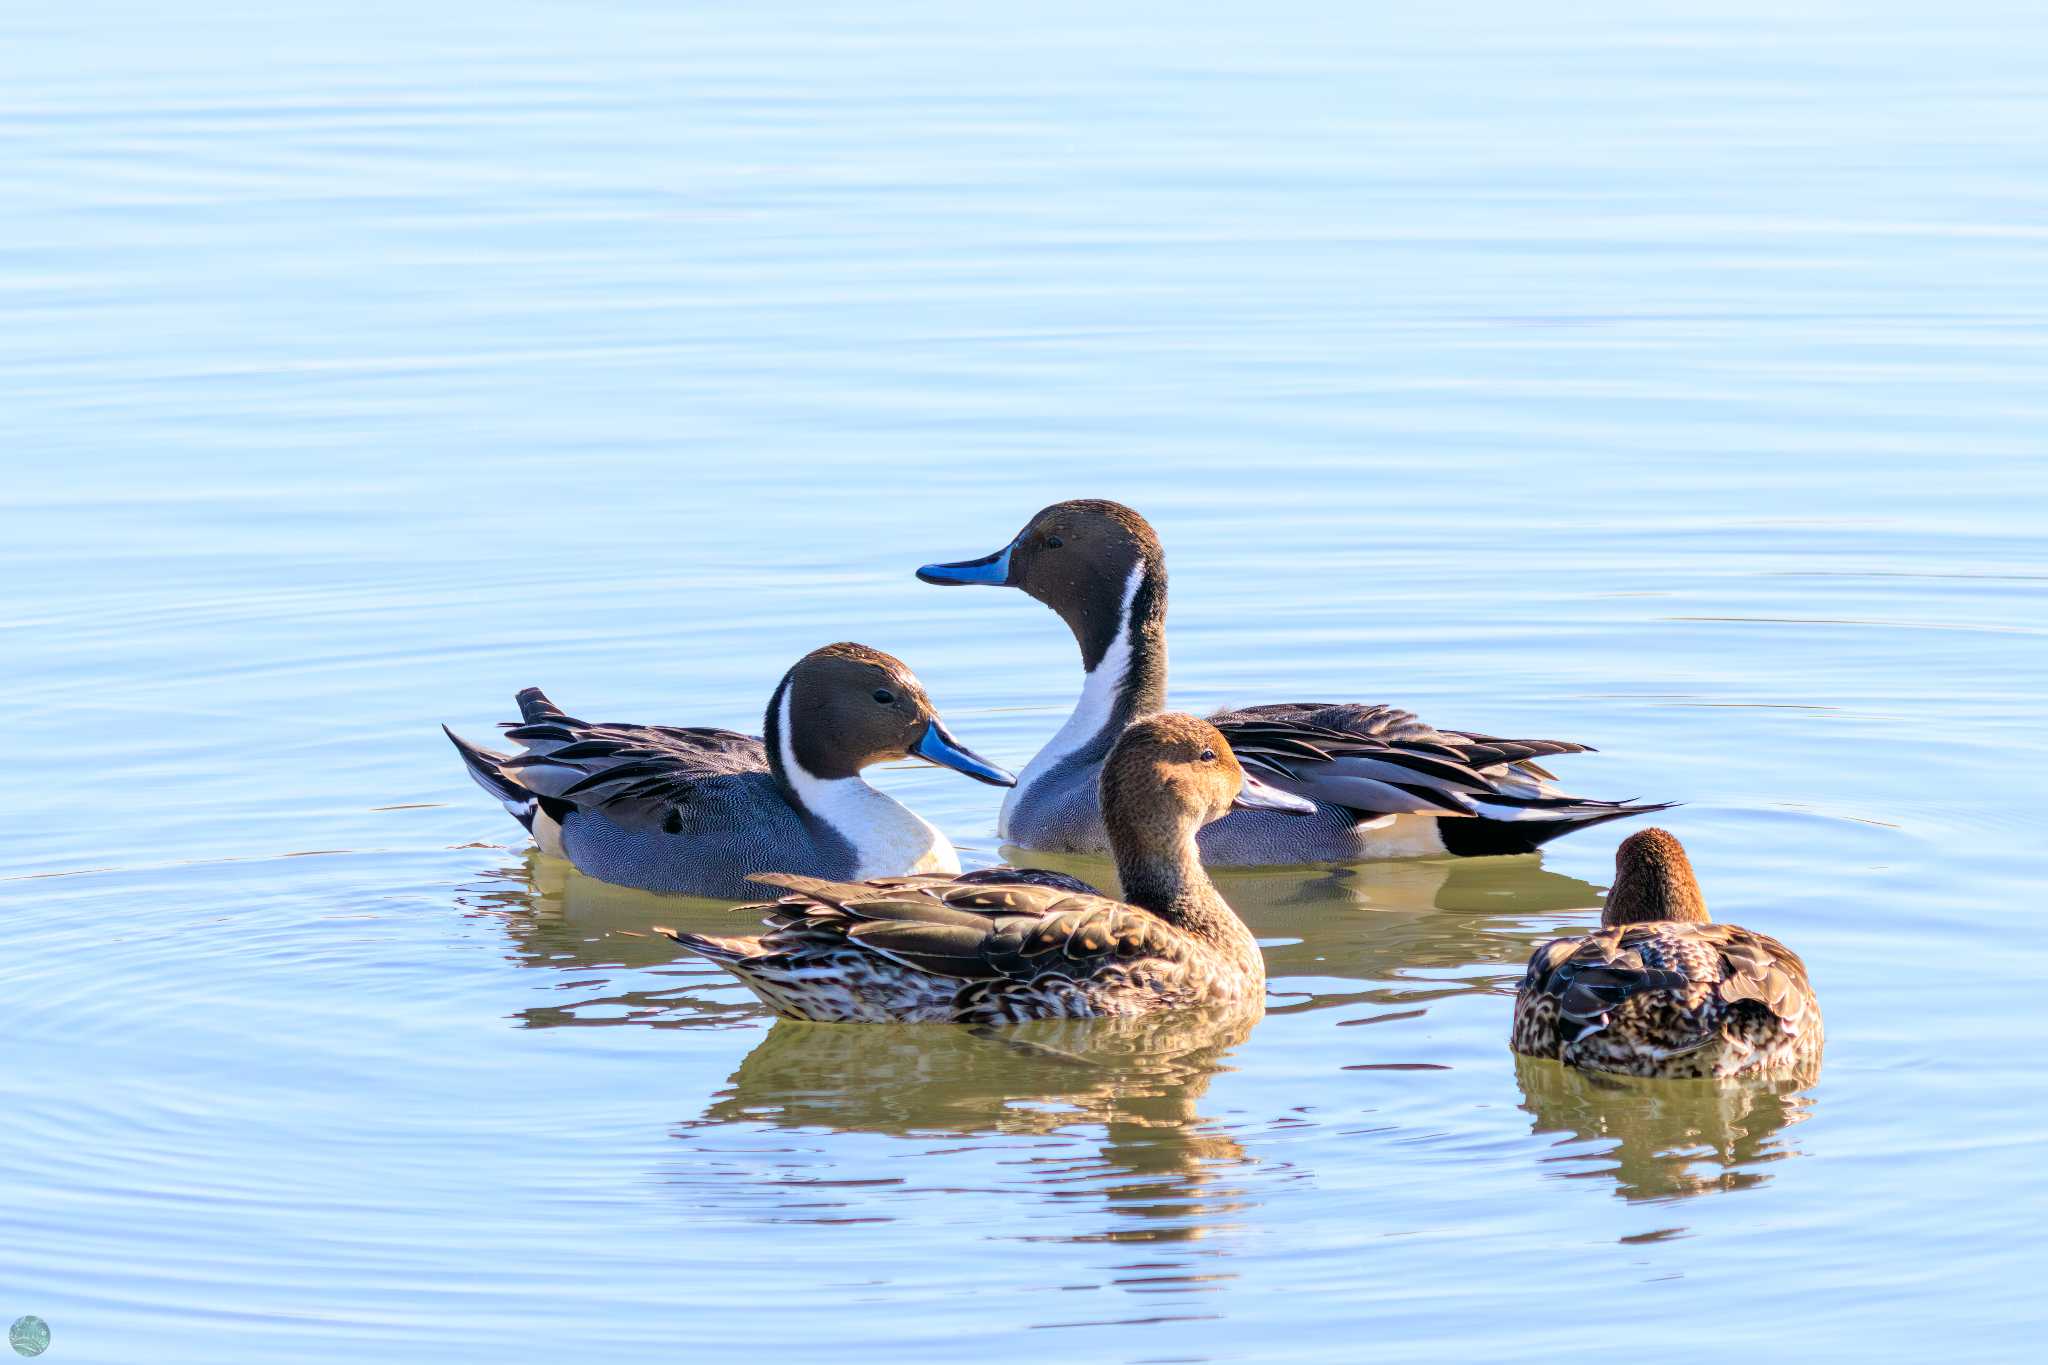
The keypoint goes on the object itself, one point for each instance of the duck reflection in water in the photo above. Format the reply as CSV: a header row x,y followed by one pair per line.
x,y
1115,1103
1663,1139
594,936
1408,932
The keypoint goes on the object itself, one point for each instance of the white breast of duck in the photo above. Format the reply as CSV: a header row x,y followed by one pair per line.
x,y
887,837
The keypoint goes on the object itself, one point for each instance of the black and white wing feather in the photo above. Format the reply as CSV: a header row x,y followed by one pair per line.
x,y
1381,761
637,775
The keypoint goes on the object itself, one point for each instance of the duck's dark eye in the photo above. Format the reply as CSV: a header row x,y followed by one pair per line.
x,y
1208,755
884,695
1053,542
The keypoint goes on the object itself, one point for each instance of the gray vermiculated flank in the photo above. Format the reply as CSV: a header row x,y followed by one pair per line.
x,y
679,809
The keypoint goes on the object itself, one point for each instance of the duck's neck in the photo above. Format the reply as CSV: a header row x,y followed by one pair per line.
x,y
1646,892
1173,885
1122,634
885,837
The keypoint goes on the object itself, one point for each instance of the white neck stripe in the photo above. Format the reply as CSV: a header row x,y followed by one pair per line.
x,y
1100,688
888,838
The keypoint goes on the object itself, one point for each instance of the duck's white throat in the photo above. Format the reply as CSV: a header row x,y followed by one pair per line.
x,y
1101,687
888,838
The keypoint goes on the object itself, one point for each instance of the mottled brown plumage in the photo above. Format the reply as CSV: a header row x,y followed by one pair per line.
x,y
1009,945
1660,990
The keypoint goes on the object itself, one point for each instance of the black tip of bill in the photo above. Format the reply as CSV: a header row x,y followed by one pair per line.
x,y
937,746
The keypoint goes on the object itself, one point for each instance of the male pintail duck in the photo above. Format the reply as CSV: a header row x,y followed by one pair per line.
x,y
1385,784
693,810
1007,945
1660,990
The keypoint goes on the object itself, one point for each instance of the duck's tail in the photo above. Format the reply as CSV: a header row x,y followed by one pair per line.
x,y
724,951
487,769
534,707
1523,826
542,727
792,989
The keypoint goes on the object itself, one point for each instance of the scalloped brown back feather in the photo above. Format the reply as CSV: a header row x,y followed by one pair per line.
x,y
1668,998
1660,990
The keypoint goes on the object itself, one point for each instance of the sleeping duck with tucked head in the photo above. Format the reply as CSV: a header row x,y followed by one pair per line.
x,y
1009,945
1384,784
1661,990
692,810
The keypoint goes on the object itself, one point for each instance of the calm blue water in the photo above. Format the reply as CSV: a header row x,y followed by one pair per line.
x,y
1671,381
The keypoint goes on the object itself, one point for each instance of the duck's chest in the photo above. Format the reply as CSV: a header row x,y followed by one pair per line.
x,y
887,838
1055,808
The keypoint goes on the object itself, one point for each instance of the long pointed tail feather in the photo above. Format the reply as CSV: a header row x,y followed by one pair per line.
x,y
487,770
723,951
1504,827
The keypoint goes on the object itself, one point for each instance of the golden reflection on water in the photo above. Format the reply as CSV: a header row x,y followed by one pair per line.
x,y
1659,1139
1121,1096
1118,1101
1412,931
1087,1132
599,936
1408,932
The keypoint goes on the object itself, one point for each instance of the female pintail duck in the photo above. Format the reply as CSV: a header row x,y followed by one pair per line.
x,y
1005,945
694,810
1660,990
1385,784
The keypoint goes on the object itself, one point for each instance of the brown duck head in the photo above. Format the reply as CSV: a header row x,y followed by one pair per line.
x,y
1169,775
1653,880
847,707
1094,562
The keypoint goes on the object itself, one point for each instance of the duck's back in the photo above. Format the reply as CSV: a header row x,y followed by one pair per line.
x,y
996,947
688,810
1669,999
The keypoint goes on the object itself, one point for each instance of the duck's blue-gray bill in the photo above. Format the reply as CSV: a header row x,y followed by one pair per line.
x,y
990,570
941,748
1257,795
